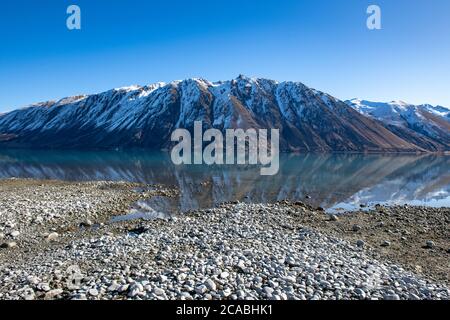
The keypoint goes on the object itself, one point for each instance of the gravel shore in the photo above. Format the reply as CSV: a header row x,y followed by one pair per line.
x,y
58,243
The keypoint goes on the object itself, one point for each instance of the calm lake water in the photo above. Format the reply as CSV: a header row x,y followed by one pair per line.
x,y
333,181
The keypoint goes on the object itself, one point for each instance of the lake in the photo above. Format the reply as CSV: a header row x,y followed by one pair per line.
x,y
334,181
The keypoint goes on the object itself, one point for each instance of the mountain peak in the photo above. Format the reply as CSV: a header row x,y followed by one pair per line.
x,y
244,77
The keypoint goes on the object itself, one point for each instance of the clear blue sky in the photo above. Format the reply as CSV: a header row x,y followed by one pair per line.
x,y
323,43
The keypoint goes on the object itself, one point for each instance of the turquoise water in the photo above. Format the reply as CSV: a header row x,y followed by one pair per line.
x,y
333,181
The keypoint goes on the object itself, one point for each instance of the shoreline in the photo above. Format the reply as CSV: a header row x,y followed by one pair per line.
x,y
288,152
235,251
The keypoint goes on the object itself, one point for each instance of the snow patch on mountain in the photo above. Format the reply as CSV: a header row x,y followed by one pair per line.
x,y
432,121
395,111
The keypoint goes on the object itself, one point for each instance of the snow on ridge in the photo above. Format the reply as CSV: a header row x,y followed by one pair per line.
x,y
70,100
44,104
128,88
437,110
380,109
147,90
402,114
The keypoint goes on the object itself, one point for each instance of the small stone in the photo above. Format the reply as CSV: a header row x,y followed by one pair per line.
x,y
93,292
38,220
9,224
392,297
52,236
52,294
133,293
241,265
360,293
79,296
210,284
8,245
201,289
430,245
181,277
224,275
360,243
226,293
412,296
33,280
385,243
113,287
290,279
325,284
86,224
123,288
43,287
14,234
185,296
291,261
268,291
135,289
356,228
208,297
158,291
29,295
162,278
333,217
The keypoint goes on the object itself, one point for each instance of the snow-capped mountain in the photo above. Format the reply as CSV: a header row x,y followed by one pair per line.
x,y
425,125
145,116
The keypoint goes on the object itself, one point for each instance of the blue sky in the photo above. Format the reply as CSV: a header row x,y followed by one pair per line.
x,y
322,43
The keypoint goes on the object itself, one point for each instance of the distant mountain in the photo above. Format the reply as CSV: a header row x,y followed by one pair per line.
x,y
144,117
424,125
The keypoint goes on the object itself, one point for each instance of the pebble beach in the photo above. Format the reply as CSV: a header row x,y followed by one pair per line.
x,y
58,242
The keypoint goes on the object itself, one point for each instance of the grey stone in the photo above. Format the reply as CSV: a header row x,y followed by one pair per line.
x,y
385,243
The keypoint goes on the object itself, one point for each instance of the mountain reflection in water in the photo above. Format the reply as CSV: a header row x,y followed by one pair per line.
x,y
331,180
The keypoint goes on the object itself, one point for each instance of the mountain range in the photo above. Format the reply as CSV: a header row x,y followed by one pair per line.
x,y
424,125
145,116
